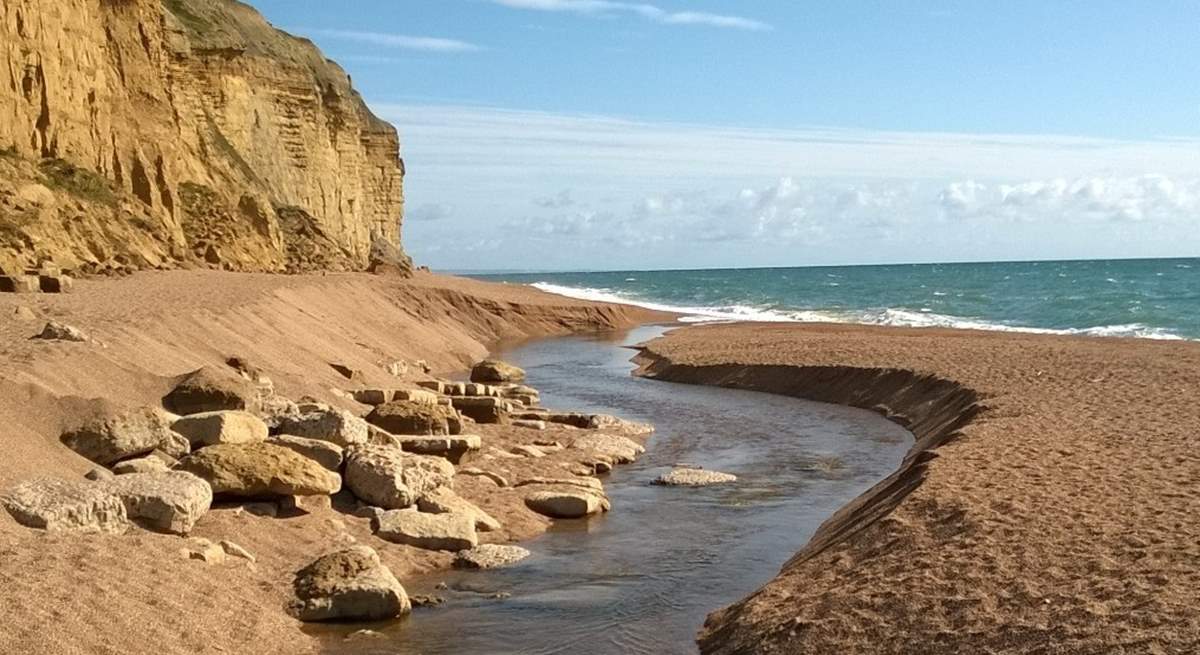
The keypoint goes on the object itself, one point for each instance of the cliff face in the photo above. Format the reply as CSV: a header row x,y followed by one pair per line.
x,y
154,133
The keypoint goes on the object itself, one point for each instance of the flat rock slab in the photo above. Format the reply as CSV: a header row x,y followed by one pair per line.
x,y
116,434
430,531
621,450
388,477
336,426
452,448
348,585
212,428
489,556
66,505
260,469
566,504
170,501
690,477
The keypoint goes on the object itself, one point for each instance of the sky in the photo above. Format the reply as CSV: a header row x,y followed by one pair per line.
x,y
603,134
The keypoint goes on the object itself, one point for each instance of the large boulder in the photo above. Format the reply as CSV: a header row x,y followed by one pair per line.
x,y
325,453
260,469
489,556
443,500
66,505
494,370
336,426
116,434
348,585
430,531
211,389
566,503
170,501
410,417
226,426
388,477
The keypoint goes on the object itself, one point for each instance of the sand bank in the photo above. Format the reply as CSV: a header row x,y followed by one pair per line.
x,y
1048,504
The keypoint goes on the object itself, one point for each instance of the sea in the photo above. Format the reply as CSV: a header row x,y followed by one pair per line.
x,y
1141,298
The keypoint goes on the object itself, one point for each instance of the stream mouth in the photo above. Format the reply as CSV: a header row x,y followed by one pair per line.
x,y
641,578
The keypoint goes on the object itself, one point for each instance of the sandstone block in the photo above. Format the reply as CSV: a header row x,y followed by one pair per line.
x,y
66,505
171,501
260,469
430,531
489,556
212,428
388,477
325,453
494,370
443,500
348,585
209,389
116,434
336,426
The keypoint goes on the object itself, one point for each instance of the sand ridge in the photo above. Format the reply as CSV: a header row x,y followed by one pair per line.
x,y
1059,518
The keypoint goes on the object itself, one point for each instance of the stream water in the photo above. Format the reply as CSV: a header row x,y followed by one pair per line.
x,y
641,578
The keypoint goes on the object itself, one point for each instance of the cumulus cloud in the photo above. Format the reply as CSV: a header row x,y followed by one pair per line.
x,y
401,41
647,11
1151,197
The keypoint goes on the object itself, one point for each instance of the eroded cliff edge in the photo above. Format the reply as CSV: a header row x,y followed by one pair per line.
x,y
153,133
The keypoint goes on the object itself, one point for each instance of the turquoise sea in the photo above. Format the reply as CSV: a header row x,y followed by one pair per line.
x,y
1147,298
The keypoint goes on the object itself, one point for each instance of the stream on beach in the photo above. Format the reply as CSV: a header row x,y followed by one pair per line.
x,y
641,578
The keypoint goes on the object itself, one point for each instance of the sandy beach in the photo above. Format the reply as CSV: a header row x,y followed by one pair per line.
x,y
1047,505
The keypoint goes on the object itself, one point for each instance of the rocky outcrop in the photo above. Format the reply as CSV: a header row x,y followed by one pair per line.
x,y
151,133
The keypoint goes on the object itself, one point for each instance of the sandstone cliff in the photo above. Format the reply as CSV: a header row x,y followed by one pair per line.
x,y
158,133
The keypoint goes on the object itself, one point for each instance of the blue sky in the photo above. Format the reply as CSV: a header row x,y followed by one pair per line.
x,y
603,134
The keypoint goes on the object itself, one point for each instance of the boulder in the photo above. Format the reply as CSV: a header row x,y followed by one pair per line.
x,y
348,585
443,500
483,409
494,370
55,331
325,453
212,428
170,501
691,477
430,531
336,426
114,434
372,396
401,417
489,556
260,469
621,450
55,283
211,389
66,505
388,477
422,396
566,504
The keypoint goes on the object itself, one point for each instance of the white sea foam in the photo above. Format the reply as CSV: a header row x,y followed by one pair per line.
x,y
890,316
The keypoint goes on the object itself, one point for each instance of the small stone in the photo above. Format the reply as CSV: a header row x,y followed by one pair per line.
x,y
489,556
529,425
529,451
147,464
430,531
498,479
23,313
443,500
346,371
365,635
691,477
427,600
212,428
235,550
55,331
398,368
98,474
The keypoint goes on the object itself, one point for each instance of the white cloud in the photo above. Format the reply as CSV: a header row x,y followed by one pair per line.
x,y
402,41
647,11
1143,198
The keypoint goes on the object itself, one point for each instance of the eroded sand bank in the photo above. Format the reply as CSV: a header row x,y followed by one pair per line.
x,y
1047,506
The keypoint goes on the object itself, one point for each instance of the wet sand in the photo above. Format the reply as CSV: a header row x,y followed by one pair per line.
x,y
1048,505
